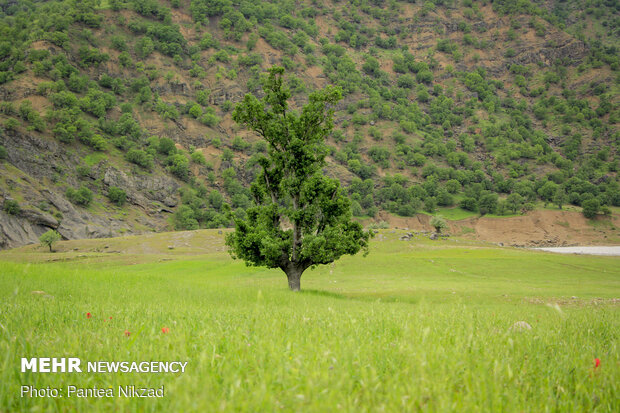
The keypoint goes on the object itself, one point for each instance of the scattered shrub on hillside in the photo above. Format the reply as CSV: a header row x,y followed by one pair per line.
x,y
430,204
97,142
124,59
178,165
91,57
118,42
216,200
83,171
184,219
11,124
166,110
166,146
591,207
514,202
444,198
144,47
140,158
198,158
195,111
209,118
424,76
82,196
239,144
406,81
117,195
208,42
11,207
469,204
488,204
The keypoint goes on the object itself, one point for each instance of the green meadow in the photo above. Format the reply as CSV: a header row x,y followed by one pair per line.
x,y
415,326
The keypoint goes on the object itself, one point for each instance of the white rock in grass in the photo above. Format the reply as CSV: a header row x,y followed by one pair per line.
x,y
521,326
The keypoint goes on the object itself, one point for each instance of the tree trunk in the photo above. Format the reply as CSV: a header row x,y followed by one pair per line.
x,y
293,274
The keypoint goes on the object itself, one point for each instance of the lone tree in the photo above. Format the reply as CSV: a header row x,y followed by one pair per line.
x,y
439,223
301,218
49,238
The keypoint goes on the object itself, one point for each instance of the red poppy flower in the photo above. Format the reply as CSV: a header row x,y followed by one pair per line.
x,y
88,315
165,330
110,318
127,333
597,362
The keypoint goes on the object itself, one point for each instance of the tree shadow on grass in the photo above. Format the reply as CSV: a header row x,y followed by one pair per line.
x,y
376,297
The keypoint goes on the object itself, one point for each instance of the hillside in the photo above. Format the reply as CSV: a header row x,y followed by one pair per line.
x,y
116,116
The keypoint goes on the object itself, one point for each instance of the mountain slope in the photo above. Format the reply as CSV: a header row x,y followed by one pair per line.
x,y
492,106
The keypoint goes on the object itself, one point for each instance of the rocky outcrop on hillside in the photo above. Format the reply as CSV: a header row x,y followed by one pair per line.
x,y
566,49
25,228
40,170
145,189
29,224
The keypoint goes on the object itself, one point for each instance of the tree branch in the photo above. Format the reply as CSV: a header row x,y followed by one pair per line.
x,y
296,233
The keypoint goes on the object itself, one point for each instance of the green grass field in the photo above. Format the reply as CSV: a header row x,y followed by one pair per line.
x,y
415,325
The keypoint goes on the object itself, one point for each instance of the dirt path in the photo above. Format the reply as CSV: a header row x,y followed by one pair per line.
x,y
612,251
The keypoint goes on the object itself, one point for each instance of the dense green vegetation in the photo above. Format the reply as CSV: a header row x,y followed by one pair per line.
x,y
420,129
414,326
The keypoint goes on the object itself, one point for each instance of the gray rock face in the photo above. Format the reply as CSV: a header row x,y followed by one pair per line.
x,y
16,231
39,218
76,223
220,95
575,51
77,228
58,201
38,158
141,190
114,177
41,160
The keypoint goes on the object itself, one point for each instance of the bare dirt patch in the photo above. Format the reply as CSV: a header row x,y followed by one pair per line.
x,y
537,228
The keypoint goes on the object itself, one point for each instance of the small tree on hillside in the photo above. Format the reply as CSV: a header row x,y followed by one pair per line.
x,y
301,218
560,198
514,201
49,238
438,223
591,207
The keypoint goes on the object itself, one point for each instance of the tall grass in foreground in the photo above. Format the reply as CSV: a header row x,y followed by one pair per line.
x,y
405,329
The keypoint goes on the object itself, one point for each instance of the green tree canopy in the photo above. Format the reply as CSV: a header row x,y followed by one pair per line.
x,y
49,238
301,218
439,223
591,208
